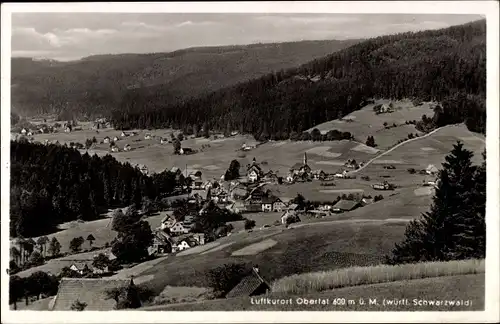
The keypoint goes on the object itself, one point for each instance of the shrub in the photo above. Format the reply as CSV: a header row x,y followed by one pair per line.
x,y
412,171
249,224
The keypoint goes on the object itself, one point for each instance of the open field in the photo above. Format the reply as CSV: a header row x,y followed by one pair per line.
x,y
437,146
452,288
327,280
365,122
255,248
100,229
308,248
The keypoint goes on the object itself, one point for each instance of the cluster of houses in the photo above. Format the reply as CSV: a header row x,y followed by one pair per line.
x,y
46,129
303,172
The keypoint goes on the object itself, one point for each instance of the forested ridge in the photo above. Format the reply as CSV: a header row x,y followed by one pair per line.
x,y
52,184
94,85
446,65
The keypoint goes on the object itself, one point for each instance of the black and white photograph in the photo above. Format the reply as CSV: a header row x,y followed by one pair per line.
x,y
281,157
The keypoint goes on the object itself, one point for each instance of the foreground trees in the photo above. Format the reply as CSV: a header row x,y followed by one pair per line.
x,y
454,228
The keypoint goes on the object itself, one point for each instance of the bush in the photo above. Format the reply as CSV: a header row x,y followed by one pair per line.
x,y
224,278
412,171
378,198
249,224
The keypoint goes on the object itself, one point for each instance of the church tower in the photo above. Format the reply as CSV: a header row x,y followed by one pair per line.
x,y
305,158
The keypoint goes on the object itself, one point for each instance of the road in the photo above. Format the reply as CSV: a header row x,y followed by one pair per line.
x,y
395,147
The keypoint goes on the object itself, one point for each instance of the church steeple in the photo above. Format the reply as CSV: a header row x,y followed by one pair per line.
x,y
305,158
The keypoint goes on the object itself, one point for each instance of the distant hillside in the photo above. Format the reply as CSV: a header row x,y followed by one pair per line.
x,y
97,84
446,65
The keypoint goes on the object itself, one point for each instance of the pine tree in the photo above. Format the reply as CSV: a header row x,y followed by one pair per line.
x,y
454,227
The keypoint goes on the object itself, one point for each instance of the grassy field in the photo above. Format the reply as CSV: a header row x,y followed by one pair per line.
x,y
100,229
327,280
298,250
464,287
365,122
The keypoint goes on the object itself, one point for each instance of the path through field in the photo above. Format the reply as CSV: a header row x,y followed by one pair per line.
x,y
362,220
395,147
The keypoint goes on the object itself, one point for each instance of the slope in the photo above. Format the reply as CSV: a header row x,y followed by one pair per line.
x,y
97,83
439,65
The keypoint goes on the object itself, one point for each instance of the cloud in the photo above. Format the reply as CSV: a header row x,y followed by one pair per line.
x,y
74,35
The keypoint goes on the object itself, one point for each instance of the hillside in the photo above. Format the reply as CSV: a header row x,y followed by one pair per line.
x,y
96,84
446,65
466,287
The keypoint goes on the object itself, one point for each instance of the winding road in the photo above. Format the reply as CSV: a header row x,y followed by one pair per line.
x,y
395,147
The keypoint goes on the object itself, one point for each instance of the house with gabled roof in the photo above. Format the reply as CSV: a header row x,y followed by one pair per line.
x,y
251,285
344,205
254,172
272,203
101,294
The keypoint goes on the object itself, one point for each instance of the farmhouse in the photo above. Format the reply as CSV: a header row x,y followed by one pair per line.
x,y
251,285
431,169
383,186
351,164
144,169
254,172
127,147
271,177
234,133
345,206
115,139
123,134
81,268
319,175
164,140
186,150
161,243
272,204
30,133
68,129
106,139
147,136
115,149
94,293
23,131
178,228
236,207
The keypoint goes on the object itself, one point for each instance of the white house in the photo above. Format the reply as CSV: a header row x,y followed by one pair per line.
x,y
115,149
178,228
183,245
127,147
30,133
123,134
115,139
24,131
106,139
147,136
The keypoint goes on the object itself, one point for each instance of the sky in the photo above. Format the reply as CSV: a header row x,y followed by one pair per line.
x,y
71,36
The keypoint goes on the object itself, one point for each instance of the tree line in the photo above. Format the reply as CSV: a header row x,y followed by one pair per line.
x,y
53,184
455,227
447,65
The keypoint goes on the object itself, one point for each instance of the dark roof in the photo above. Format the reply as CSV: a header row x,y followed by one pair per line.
x,y
254,165
269,200
93,292
247,285
346,204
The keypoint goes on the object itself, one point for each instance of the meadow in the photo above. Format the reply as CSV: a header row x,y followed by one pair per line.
x,y
298,250
364,122
463,287
356,276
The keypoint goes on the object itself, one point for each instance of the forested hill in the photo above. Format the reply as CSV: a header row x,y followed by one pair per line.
x,y
96,84
448,65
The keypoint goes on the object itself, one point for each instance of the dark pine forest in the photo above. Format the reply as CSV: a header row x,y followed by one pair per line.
x,y
54,184
446,65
